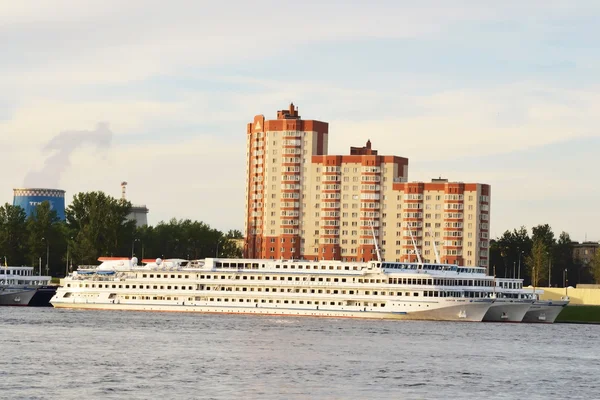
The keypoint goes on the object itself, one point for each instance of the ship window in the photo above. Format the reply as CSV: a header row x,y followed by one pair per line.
x,y
416,294
172,276
151,275
144,276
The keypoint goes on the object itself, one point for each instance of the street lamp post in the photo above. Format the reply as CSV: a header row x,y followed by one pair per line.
x,y
514,266
520,252
47,254
67,264
549,272
133,247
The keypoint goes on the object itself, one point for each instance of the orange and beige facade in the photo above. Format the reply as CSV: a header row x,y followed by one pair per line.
x,y
302,203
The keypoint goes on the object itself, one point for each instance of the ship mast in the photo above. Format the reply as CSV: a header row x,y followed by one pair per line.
x,y
437,255
375,241
414,245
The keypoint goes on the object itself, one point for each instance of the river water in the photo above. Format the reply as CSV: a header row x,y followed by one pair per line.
x,y
47,353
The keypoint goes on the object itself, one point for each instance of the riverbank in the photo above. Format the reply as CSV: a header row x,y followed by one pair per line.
x,y
576,314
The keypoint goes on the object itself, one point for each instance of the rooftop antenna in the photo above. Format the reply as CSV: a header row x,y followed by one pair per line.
x,y
414,244
375,241
437,255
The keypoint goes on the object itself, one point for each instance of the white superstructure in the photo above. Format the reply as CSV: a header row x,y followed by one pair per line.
x,y
283,287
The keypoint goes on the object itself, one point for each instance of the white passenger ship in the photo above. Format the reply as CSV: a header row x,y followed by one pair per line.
x,y
19,286
511,301
374,289
515,303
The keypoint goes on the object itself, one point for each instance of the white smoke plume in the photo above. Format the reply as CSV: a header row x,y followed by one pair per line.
x,y
60,148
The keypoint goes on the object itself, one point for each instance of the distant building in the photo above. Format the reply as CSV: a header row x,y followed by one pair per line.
x,y
30,198
139,212
584,252
302,203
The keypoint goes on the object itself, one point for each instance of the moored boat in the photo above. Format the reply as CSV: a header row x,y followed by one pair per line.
x,y
20,287
512,302
373,289
545,311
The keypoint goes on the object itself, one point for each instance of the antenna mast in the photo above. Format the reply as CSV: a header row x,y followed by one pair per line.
x,y
437,255
375,241
414,244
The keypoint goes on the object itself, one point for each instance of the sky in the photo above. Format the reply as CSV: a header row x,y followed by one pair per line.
x,y
158,94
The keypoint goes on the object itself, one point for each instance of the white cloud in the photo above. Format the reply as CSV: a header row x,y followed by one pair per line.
x,y
477,122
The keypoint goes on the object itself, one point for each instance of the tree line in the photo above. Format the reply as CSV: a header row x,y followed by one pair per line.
x,y
541,259
96,225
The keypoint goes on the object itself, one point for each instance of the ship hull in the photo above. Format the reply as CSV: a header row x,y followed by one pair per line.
x,y
467,311
16,297
42,296
507,311
544,311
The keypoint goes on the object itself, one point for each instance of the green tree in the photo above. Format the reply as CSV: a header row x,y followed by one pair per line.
x,y
504,252
45,240
544,234
595,266
231,244
537,262
99,226
13,235
563,265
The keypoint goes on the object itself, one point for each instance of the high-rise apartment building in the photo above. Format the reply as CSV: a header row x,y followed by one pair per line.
x,y
303,203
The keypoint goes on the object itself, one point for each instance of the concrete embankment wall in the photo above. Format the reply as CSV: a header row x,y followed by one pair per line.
x,y
578,296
